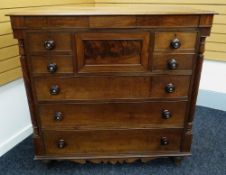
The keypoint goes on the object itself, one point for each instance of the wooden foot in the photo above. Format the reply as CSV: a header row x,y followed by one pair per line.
x,y
177,160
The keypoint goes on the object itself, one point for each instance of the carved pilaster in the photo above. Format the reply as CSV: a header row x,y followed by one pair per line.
x,y
27,82
187,139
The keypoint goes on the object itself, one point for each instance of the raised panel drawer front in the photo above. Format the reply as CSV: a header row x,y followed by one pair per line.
x,y
49,42
51,64
112,52
114,115
102,142
175,41
110,88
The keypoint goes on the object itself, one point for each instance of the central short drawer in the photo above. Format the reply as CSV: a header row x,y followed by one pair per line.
x,y
111,88
113,115
102,142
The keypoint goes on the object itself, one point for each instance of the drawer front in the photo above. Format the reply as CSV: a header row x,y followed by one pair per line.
x,y
112,52
110,88
51,64
175,41
49,42
115,115
104,142
172,62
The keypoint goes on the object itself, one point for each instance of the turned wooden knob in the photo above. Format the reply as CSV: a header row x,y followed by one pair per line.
x,y
175,43
54,90
172,64
49,44
52,67
58,116
166,114
170,88
61,144
164,141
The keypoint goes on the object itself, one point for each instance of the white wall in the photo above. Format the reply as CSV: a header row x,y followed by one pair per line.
x,y
15,124
212,91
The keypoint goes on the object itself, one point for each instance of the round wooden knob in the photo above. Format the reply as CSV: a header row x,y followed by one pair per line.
x,y
172,64
49,45
175,43
61,144
58,116
54,90
164,141
166,114
170,88
52,67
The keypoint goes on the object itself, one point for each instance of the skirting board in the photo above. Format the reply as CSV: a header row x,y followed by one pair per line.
x,y
211,99
15,139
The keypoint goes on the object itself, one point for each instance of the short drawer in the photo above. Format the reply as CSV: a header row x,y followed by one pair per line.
x,y
114,115
51,64
104,142
175,41
111,88
172,61
49,42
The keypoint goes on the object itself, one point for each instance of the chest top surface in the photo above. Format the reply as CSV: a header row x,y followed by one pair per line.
x,y
110,9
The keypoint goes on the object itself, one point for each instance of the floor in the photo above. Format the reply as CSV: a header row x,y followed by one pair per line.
x,y
208,149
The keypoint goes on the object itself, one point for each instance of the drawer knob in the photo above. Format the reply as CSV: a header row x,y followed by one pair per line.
x,y
170,88
58,116
52,67
164,141
61,144
175,43
172,64
166,114
54,90
49,45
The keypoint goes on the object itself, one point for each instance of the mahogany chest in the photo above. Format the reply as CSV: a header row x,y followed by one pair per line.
x,y
111,84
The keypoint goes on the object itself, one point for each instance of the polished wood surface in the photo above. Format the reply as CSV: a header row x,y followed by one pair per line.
x,y
112,87
101,88
112,52
39,64
99,9
101,142
126,115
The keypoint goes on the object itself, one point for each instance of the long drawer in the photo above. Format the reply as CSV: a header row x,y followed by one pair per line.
x,y
114,115
103,142
98,88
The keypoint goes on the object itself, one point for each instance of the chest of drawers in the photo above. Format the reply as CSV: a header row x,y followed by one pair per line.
x,y
111,85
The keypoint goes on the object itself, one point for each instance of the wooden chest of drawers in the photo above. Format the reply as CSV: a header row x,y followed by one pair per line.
x,y
106,84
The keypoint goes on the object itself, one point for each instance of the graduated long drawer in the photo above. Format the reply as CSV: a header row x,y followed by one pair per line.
x,y
101,87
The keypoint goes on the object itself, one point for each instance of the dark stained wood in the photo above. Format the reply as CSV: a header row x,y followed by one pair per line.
x,y
112,21
126,115
184,61
159,83
111,82
100,88
78,22
36,41
102,142
39,63
112,52
187,40
168,21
